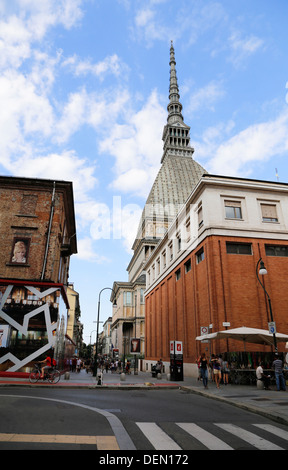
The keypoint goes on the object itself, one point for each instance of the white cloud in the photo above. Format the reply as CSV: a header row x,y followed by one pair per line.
x,y
86,252
137,147
193,19
256,144
243,47
205,97
25,23
23,112
111,64
65,166
144,17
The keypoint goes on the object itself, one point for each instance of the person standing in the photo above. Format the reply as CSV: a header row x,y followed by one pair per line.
x,y
225,371
279,376
217,370
204,369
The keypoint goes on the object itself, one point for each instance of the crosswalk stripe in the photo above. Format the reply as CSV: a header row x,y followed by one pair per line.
x,y
273,430
256,441
158,438
206,438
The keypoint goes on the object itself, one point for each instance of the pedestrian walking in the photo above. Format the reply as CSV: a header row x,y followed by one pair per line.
x,y
204,369
216,370
279,376
78,365
225,371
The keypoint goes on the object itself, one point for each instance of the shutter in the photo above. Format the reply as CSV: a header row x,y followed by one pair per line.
x,y
232,204
269,211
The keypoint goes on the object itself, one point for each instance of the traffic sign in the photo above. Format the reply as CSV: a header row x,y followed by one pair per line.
x,y
272,327
204,330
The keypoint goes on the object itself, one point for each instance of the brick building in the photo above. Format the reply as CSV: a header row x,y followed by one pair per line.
x,y
203,272
37,238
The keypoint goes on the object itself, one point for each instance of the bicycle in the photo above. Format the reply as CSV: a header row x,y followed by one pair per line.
x,y
52,375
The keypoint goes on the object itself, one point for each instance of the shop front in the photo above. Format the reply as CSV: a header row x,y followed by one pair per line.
x,y
33,322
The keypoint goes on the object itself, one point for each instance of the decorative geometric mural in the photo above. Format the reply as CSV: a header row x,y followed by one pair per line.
x,y
23,328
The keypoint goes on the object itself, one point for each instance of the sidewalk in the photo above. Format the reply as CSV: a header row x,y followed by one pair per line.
x,y
269,403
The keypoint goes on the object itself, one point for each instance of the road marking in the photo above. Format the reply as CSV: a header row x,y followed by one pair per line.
x,y
158,438
101,442
247,436
273,430
205,437
123,439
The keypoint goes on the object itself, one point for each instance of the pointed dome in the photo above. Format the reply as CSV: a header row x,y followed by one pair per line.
x,y
178,174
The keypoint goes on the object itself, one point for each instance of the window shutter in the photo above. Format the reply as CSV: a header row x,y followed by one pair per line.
x,y
269,211
232,204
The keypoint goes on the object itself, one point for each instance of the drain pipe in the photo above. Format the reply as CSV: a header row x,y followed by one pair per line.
x,y
49,231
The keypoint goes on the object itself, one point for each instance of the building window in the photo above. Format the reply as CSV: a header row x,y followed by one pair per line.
x,y
188,230
200,256
233,210
269,213
149,277
276,250
170,247
142,298
200,216
187,266
164,259
178,241
158,266
239,248
28,204
127,298
178,274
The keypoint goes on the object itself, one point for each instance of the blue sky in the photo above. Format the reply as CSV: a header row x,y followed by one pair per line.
x,y
84,93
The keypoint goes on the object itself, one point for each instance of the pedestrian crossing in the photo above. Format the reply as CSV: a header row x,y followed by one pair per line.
x,y
231,436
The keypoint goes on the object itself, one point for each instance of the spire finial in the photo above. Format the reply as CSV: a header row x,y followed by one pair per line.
x,y
176,133
174,106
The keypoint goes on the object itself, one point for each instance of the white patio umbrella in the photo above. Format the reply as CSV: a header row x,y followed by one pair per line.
x,y
249,335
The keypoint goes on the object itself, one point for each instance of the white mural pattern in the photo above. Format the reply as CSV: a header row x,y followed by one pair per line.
x,y
18,364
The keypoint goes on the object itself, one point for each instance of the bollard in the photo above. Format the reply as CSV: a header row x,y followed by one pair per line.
x,y
100,379
67,376
122,377
159,376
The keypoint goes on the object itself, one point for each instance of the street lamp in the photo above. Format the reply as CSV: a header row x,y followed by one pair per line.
x,y
114,305
263,271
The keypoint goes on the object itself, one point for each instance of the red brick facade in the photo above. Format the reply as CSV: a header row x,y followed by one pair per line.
x,y
26,208
220,288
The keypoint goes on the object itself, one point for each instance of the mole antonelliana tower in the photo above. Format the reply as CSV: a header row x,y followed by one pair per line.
x,y
176,178
178,175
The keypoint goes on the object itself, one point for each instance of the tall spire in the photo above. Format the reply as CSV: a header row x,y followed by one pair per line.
x,y
174,107
176,136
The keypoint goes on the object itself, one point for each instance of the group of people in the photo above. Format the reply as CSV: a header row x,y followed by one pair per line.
x,y
75,364
219,369
115,366
279,376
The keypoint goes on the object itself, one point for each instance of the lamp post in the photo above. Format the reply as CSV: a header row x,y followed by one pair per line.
x,y
96,352
263,271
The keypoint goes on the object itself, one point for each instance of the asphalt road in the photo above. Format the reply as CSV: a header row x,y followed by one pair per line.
x,y
152,420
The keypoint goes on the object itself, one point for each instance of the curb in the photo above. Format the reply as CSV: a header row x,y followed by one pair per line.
x,y
243,406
